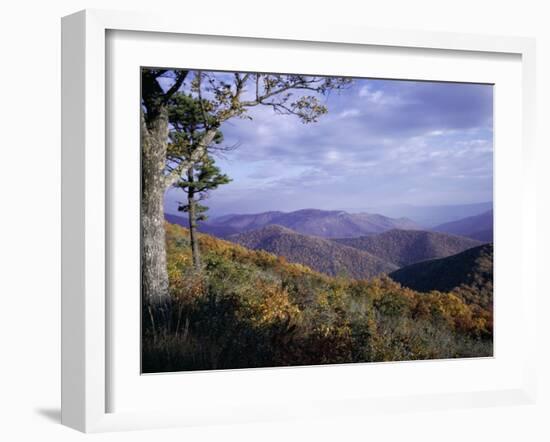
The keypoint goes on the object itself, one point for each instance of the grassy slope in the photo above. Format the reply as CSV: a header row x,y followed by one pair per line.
x,y
252,309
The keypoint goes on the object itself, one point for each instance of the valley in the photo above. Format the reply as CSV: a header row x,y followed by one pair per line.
x,y
337,243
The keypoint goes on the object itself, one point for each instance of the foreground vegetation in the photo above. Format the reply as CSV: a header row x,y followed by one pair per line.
x,y
253,309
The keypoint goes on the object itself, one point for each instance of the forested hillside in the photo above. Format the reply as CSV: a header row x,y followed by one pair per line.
x,y
320,254
468,274
404,247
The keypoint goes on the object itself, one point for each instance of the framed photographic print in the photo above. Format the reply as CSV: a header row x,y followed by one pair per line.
x,y
284,223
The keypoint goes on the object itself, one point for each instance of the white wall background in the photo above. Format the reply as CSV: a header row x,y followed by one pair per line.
x,y
30,216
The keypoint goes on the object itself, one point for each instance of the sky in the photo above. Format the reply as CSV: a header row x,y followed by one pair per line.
x,y
382,143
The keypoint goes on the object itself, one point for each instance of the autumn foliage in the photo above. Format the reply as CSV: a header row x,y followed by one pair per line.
x,y
253,309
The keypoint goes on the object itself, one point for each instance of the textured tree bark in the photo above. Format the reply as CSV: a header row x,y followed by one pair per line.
x,y
192,215
154,144
154,183
153,249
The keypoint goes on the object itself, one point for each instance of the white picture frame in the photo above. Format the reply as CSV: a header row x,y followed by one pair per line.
x,y
85,308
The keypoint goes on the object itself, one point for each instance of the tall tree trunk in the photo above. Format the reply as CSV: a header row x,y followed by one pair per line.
x,y
153,249
192,215
154,140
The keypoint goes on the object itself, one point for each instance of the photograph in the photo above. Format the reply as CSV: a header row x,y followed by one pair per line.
x,y
301,219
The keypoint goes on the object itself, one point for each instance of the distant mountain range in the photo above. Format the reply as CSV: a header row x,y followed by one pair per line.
x,y
317,253
469,274
429,216
404,247
360,258
478,227
312,222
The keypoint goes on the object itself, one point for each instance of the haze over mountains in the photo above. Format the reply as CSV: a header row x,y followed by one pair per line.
x,y
425,216
430,216
341,224
314,222
479,227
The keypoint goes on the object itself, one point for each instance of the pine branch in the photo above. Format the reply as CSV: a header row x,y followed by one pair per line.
x,y
197,154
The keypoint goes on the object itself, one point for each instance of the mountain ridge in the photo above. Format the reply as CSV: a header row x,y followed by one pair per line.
x,y
469,274
478,227
405,247
311,222
430,215
318,253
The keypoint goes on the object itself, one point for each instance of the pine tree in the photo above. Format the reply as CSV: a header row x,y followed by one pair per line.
x,y
190,120
201,178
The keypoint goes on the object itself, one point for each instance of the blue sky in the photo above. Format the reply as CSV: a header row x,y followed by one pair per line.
x,y
382,143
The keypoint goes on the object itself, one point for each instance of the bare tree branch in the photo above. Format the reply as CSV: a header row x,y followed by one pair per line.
x,y
180,78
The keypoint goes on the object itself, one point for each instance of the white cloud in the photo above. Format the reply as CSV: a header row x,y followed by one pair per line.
x,y
349,113
332,156
378,97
